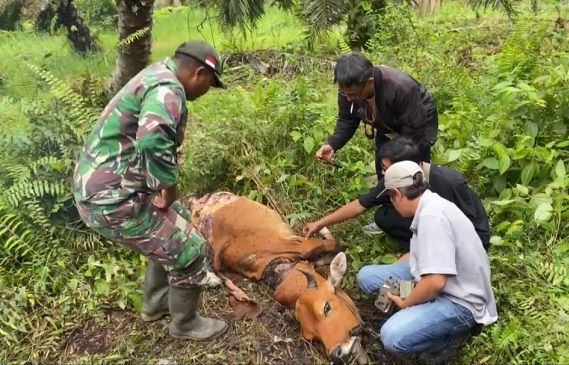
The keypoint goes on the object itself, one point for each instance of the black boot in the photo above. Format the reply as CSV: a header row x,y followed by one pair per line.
x,y
186,322
155,305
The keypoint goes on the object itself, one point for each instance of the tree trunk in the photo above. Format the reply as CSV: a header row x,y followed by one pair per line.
x,y
134,51
77,31
66,15
10,14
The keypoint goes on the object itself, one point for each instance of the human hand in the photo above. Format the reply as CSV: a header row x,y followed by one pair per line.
x,y
159,202
310,228
165,198
396,300
325,153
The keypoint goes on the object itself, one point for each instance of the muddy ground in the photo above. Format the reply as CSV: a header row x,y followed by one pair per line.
x,y
271,338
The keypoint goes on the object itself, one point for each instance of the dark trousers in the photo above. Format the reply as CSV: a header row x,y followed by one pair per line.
x,y
396,226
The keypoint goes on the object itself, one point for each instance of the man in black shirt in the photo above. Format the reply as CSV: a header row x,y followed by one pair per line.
x,y
389,102
444,181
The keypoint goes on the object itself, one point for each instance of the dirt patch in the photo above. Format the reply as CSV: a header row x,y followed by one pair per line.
x,y
92,338
271,338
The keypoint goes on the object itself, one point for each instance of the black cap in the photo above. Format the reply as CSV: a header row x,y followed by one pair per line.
x,y
205,54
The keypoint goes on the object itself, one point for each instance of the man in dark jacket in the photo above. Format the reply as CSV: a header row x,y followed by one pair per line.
x,y
388,101
444,181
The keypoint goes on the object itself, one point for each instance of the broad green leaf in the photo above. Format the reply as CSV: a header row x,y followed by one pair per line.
x,y
484,142
318,135
540,198
499,183
308,144
504,163
496,240
491,163
503,158
560,169
522,190
295,135
503,202
501,85
527,173
532,129
543,212
454,155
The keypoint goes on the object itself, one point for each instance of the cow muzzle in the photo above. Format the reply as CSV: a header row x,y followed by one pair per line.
x,y
350,352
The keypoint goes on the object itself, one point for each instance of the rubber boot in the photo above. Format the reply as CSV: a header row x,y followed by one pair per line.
x,y
186,322
155,305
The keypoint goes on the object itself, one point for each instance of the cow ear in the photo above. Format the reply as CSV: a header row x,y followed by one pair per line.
x,y
337,269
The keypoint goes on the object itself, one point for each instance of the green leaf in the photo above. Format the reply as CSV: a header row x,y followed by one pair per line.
x,y
560,169
491,163
102,287
527,173
503,202
496,240
532,129
388,258
540,198
454,155
499,183
523,191
542,213
295,135
503,158
502,85
308,144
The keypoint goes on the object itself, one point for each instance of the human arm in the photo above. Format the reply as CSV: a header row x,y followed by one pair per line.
x,y
161,113
348,211
434,252
166,198
415,112
426,289
346,125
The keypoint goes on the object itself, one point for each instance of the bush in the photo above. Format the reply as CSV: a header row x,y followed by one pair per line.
x,y
100,13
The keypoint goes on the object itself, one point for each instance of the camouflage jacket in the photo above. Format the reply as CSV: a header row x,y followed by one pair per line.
x,y
132,148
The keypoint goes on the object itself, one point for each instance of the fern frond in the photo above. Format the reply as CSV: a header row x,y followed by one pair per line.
x,y
133,37
343,45
76,105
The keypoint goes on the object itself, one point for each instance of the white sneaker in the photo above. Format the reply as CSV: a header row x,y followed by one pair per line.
x,y
372,229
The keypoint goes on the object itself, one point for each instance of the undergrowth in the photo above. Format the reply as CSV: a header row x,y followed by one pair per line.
x,y
503,93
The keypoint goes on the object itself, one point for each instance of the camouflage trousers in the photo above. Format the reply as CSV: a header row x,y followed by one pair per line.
x,y
165,236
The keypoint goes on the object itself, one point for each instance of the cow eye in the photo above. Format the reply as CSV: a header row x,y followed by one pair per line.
x,y
327,308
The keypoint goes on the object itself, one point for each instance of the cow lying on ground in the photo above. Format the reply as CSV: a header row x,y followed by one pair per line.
x,y
253,240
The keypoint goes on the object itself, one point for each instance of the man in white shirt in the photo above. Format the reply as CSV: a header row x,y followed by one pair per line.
x,y
447,260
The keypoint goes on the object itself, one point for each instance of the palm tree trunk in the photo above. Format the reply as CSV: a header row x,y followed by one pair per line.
x,y
77,31
134,51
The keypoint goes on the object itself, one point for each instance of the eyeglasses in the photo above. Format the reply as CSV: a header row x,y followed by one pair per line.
x,y
354,95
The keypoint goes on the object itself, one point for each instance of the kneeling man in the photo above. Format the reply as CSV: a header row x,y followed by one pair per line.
x,y
447,260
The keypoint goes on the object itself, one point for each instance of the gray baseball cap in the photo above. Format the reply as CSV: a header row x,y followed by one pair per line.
x,y
204,53
400,175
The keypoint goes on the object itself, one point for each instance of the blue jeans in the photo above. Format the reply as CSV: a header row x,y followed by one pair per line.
x,y
425,327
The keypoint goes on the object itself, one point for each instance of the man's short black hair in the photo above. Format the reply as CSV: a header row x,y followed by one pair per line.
x,y
400,149
352,69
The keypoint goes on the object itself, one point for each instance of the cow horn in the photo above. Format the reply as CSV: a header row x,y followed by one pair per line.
x,y
309,278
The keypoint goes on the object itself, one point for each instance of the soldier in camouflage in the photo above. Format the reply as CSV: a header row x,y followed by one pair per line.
x,y
125,185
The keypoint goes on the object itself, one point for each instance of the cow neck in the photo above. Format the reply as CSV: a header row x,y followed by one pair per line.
x,y
276,271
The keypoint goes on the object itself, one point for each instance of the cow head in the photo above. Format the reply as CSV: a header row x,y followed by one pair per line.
x,y
328,314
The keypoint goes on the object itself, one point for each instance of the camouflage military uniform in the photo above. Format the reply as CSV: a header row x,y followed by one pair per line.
x,y
128,158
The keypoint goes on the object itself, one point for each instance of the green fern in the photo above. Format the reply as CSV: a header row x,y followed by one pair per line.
x,y
75,105
343,45
133,37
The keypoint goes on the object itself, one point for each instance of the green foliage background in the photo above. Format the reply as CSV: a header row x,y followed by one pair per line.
x,y
502,90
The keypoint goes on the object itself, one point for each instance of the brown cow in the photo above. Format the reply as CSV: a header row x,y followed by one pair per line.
x,y
253,240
